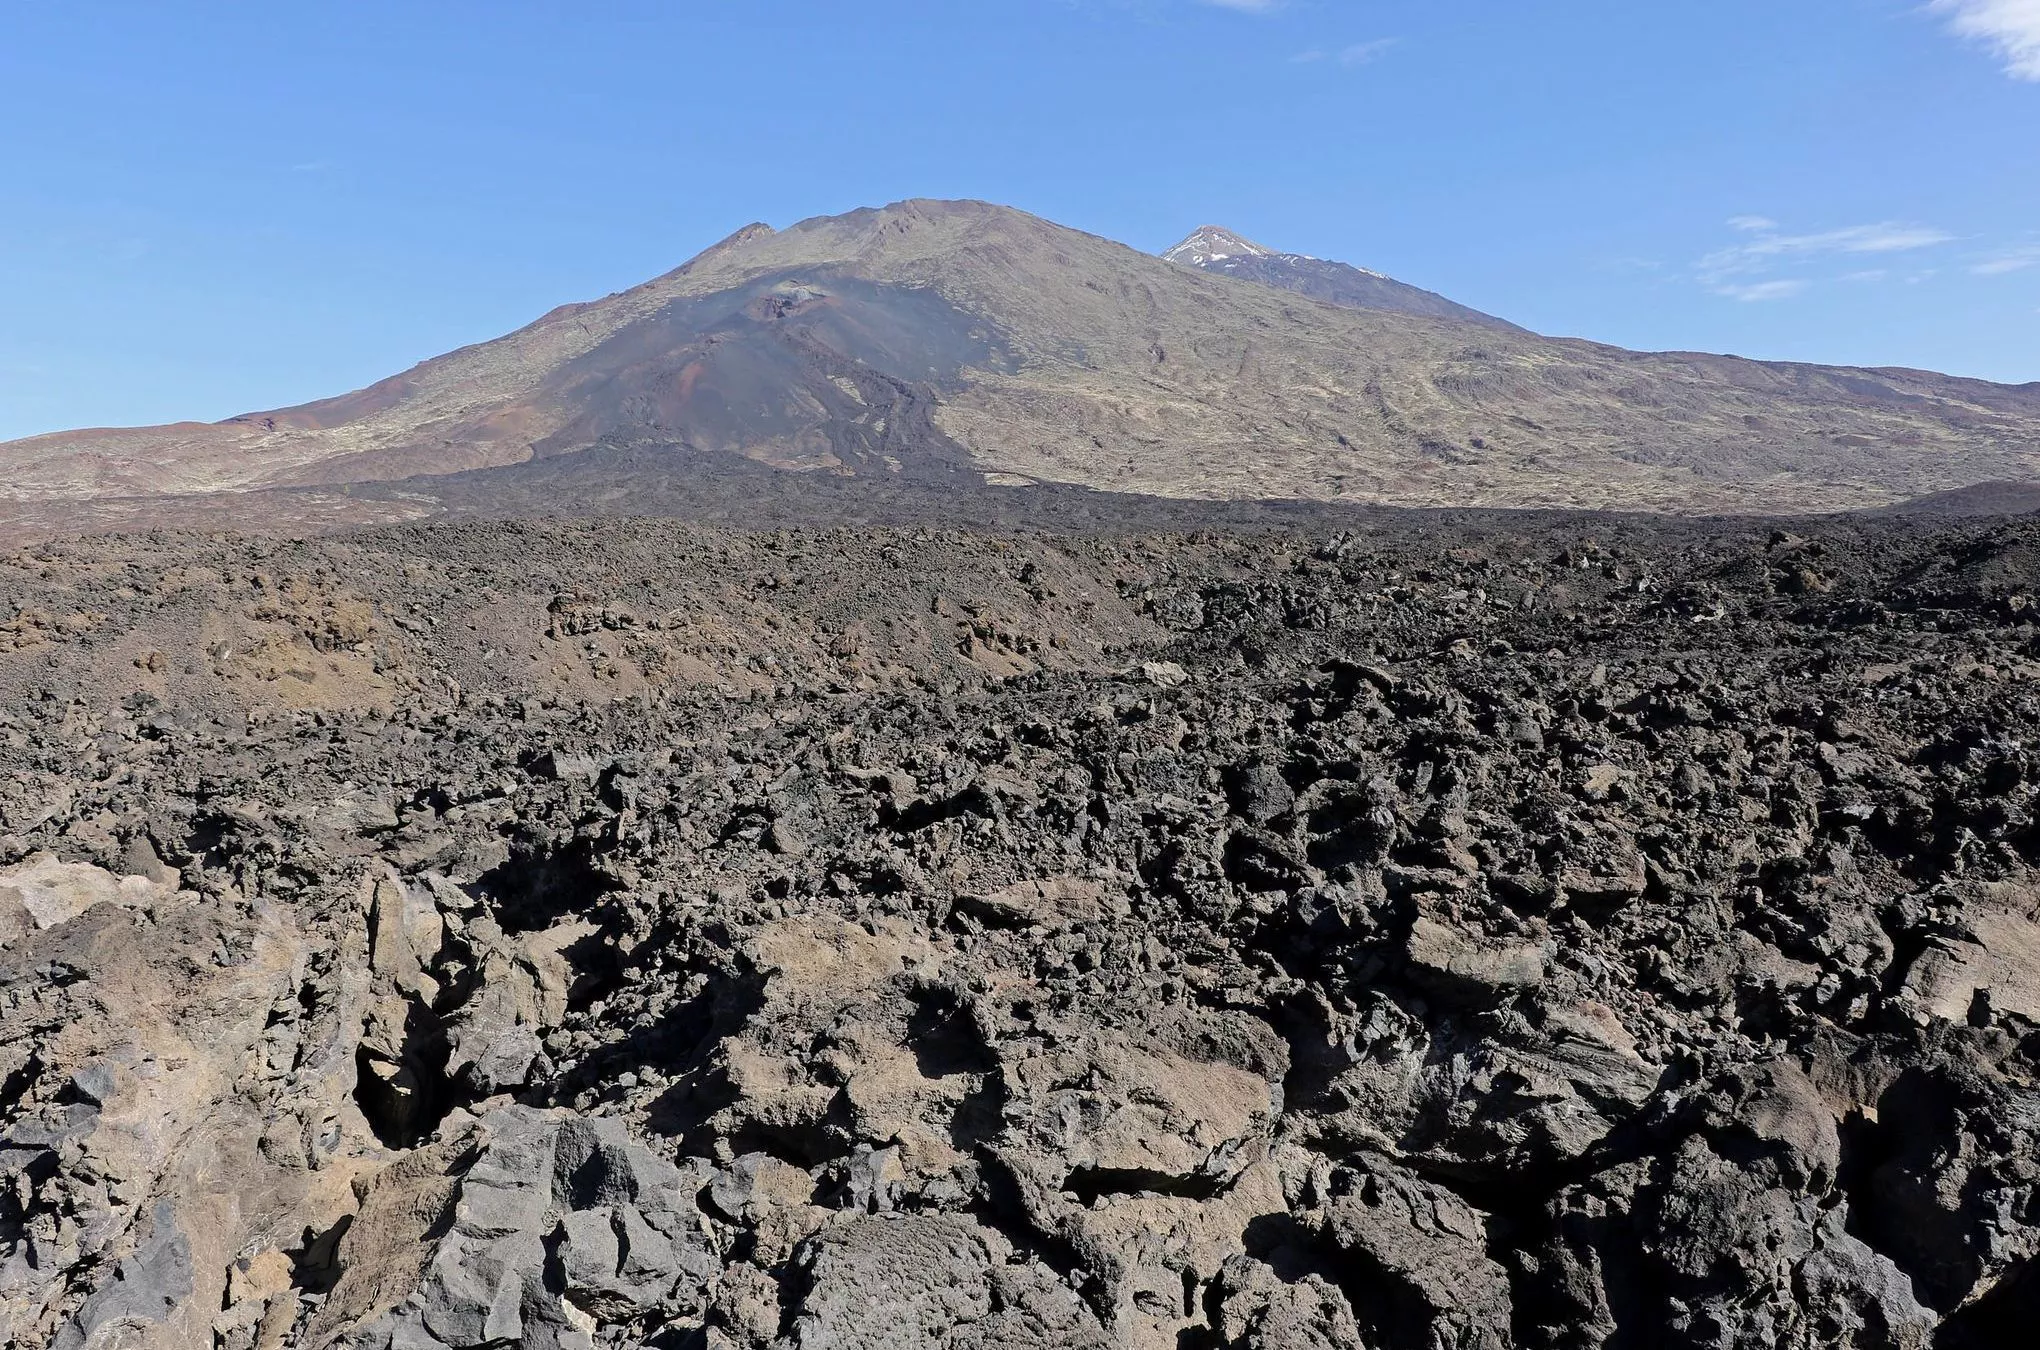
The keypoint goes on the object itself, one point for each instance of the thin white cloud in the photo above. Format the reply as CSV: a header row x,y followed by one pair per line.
x,y
1360,53
2010,27
1354,54
1246,6
1748,270
2009,261
1889,237
1757,291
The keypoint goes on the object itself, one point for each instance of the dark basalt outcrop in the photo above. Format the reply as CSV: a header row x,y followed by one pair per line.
x,y
1480,932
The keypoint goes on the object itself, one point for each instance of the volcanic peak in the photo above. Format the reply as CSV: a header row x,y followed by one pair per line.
x,y
1215,243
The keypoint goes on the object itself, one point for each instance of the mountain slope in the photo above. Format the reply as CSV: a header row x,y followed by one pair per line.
x,y
948,340
1217,249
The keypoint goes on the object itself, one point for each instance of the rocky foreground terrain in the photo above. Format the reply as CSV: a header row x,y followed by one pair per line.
x,y
1420,932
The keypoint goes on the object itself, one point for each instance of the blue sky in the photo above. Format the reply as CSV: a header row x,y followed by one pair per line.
x,y
209,208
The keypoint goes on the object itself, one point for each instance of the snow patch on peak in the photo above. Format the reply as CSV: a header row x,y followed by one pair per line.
x,y
1215,243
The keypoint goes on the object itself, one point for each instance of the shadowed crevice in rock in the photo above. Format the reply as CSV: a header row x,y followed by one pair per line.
x,y
542,881
403,1090
2004,1315
1091,1184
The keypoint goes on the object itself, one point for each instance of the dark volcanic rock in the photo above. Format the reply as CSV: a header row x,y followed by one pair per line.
x,y
1468,932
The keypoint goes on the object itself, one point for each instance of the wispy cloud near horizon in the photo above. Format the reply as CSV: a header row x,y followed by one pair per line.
x,y
1245,6
1744,271
2010,27
1757,291
1887,237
